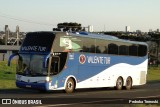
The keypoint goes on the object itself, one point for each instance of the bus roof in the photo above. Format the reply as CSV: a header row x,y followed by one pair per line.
x,y
96,36
105,37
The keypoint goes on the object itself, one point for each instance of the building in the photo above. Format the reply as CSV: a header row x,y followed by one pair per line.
x,y
150,30
138,31
128,29
157,30
90,28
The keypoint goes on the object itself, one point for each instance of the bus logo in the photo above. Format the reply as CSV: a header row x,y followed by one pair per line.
x,y
82,59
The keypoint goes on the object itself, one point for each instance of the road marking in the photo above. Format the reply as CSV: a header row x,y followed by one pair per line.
x,y
150,96
93,93
51,96
89,102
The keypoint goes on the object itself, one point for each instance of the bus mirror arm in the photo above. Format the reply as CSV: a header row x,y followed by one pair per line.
x,y
11,57
46,60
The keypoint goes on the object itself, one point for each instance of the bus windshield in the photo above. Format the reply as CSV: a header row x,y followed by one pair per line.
x,y
31,65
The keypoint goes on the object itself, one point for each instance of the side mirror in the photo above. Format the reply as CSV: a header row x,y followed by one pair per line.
x,y
45,60
11,57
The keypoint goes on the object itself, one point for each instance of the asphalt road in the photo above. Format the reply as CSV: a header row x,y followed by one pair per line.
x,y
89,97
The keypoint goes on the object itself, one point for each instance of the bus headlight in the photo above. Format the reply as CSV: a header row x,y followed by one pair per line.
x,y
48,79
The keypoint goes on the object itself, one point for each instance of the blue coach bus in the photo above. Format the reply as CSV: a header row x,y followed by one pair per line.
x,y
69,61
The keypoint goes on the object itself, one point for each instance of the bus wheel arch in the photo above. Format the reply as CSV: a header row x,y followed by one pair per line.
x,y
70,85
119,83
129,83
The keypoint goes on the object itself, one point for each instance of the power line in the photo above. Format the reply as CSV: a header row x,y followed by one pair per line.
x,y
24,20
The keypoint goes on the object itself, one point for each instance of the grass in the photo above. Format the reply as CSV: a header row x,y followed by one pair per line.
x,y
153,74
7,75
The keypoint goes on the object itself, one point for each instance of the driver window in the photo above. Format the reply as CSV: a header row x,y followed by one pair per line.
x,y
55,65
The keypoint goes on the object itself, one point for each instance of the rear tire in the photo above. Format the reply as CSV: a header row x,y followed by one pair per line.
x,y
119,83
128,83
70,86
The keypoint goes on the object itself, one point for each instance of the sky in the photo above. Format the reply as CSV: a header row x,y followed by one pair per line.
x,y
103,15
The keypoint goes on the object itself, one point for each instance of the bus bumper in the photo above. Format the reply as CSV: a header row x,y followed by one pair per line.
x,y
38,86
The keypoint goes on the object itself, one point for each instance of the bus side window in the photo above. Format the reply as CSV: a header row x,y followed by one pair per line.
x,y
113,49
133,50
123,50
106,50
89,45
101,46
92,49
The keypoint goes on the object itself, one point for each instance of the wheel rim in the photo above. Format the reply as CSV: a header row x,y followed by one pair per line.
x,y
128,82
119,83
69,85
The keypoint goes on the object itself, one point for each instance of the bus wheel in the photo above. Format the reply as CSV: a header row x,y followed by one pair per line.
x,y
70,86
119,83
128,83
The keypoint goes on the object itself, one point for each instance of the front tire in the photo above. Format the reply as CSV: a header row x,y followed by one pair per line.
x,y
70,86
119,83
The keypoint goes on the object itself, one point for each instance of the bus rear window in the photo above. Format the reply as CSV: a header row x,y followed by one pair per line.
x,y
142,50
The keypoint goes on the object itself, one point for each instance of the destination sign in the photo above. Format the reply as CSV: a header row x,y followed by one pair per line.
x,y
34,48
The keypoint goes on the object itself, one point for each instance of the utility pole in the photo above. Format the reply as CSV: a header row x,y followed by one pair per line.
x,y
17,32
6,34
158,45
157,51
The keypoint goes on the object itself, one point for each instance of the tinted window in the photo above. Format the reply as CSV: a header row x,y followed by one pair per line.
x,y
89,45
74,44
101,46
112,49
66,43
133,50
123,50
38,42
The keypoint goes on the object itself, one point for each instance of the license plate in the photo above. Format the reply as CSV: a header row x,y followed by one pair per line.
x,y
28,86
